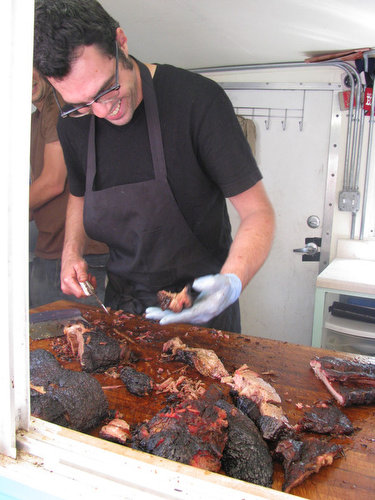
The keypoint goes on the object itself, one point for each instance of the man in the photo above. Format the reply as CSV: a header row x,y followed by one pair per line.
x,y
151,159
47,202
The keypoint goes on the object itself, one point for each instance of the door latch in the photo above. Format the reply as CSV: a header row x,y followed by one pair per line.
x,y
310,252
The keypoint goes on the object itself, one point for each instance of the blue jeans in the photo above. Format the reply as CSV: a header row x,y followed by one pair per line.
x,y
45,280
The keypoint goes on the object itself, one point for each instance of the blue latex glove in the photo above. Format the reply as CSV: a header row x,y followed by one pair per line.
x,y
217,292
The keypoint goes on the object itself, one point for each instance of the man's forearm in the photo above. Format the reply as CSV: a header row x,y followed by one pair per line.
x,y
41,192
75,235
73,265
253,240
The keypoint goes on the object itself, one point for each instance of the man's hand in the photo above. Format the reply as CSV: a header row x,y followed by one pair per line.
x,y
73,271
217,292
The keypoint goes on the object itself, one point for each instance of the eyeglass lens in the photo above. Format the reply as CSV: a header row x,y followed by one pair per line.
x,y
102,98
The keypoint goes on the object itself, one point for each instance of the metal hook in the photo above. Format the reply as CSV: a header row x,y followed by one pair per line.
x,y
268,121
283,122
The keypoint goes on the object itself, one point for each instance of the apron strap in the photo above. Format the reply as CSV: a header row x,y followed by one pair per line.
x,y
91,156
153,128
153,122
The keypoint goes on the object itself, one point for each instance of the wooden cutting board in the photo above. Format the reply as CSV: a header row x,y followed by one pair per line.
x,y
285,366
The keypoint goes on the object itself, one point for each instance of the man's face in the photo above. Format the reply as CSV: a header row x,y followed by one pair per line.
x,y
93,72
39,88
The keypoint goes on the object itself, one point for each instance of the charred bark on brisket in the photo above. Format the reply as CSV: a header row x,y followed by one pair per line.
x,y
44,369
300,459
136,382
205,361
350,382
176,302
248,389
325,420
273,424
246,454
246,405
71,399
96,350
191,432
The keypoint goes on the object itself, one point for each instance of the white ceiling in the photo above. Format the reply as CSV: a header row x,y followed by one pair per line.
x,y
206,33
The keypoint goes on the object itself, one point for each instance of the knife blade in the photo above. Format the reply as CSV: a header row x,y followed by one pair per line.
x,y
48,324
89,290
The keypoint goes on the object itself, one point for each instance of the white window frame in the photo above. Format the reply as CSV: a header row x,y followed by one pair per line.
x,y
38,454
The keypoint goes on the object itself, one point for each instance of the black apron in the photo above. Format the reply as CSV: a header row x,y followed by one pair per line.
x,y
151,245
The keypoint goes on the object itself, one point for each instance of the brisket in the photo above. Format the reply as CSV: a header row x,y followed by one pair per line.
x,y
300,459
350,382
94,348
205,361
117,430
137,383
65,397
248,386
325,420
246,454
176,302
193,432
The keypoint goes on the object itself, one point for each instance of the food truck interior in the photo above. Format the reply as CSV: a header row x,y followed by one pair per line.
x,y
300,78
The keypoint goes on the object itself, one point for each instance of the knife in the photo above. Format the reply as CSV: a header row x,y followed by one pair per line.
x,y
89,290
47,324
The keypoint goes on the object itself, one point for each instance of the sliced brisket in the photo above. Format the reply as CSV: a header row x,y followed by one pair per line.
x,y
246,454
249,389
117,430
176,301
300,459
325,420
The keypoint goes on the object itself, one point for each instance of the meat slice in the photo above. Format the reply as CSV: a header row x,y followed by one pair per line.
x,y
65,397
176,302
300,459
95,350
117,430
205,361
193,432
349,382
273,423
325,420
246,454
246,405
136,382
249,384
270,418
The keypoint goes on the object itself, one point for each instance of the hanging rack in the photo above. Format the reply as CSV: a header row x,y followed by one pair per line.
x,y
353,138
272,113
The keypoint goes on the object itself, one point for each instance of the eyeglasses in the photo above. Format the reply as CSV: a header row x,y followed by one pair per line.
x,y
108,95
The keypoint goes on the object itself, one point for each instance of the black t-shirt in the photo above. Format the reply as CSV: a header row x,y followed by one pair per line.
x,y
207,156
